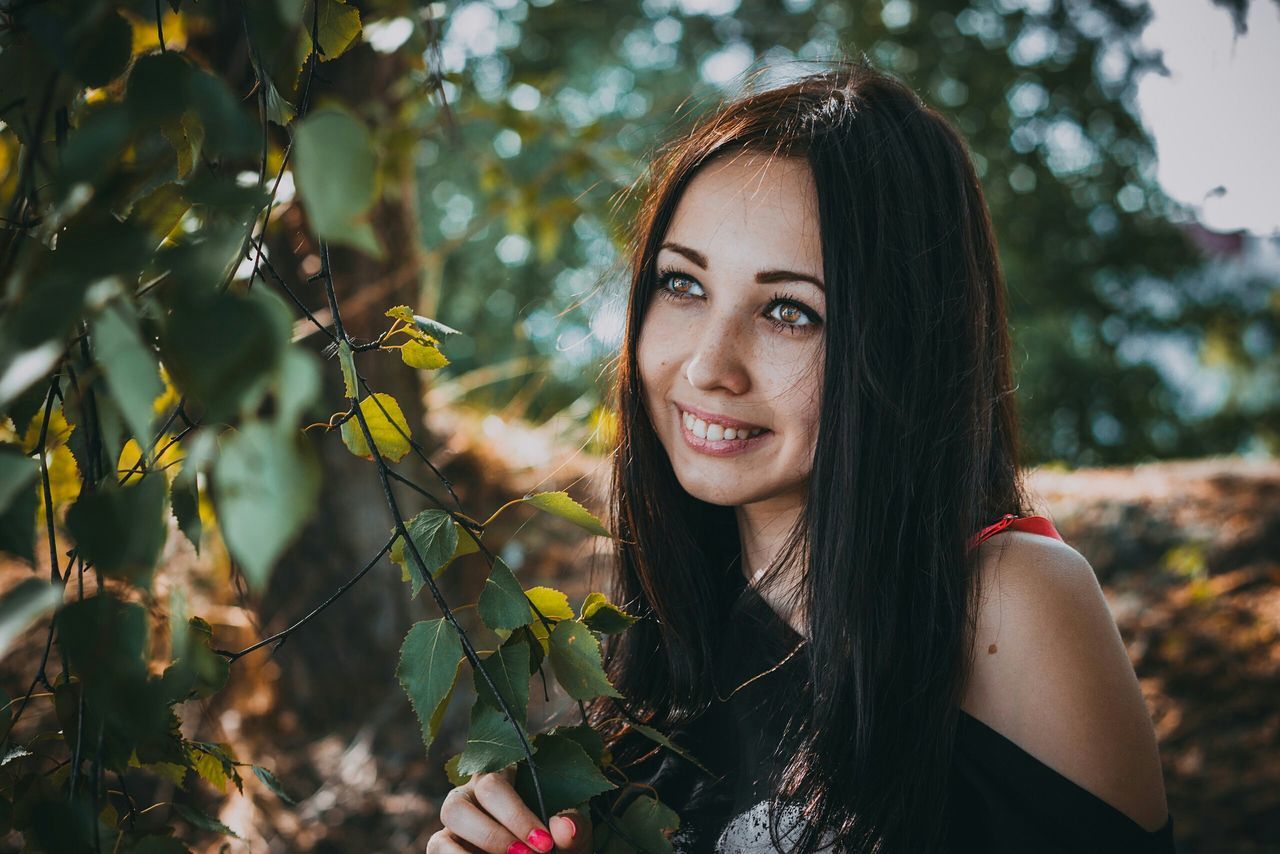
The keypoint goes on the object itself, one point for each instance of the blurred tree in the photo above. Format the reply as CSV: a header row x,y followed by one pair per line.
x,y
561,102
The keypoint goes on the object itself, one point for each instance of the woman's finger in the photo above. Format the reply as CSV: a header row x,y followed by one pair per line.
x,y
445,842
571,831
461,815
496,796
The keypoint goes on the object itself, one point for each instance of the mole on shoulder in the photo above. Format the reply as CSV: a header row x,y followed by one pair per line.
x,y
991,650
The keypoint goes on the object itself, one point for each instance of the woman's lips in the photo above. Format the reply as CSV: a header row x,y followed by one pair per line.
x,y
719,447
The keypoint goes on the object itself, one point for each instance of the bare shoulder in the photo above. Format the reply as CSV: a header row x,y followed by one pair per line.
x,y
1051,674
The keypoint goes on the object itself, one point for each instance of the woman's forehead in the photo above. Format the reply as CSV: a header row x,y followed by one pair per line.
x,y
751,207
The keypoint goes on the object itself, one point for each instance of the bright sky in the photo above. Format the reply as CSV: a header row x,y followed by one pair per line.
x,y
1216,118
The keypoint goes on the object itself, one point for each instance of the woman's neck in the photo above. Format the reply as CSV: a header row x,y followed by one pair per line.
x,y
762,531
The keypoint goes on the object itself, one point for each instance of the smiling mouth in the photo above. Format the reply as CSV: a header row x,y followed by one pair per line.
x,y
716,440
714,431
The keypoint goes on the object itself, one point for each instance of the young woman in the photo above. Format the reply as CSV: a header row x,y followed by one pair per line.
x,y
851,616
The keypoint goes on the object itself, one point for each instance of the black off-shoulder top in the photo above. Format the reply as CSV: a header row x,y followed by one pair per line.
x,y
1002,799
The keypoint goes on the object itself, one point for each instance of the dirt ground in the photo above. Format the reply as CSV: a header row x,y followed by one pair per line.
x,y
1188,554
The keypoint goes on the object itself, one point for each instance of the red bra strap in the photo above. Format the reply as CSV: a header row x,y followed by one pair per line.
x,y
1031,524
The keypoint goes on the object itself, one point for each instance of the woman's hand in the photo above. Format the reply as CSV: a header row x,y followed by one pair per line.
x,y
487,815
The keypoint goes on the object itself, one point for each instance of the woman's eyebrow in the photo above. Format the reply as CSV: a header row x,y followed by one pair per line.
x,y
764,277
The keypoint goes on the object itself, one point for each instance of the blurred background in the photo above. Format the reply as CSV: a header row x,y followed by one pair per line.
x,y
1127,149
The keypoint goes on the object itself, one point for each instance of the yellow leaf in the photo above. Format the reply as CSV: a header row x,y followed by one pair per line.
x,y
58,434
210,768
169,397
400,312
146,38
554,605
168,460
170,771
390,441
422,356
467,543
64,481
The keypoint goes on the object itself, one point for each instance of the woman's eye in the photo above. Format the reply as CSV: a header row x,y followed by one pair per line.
x,y
675,285
792,315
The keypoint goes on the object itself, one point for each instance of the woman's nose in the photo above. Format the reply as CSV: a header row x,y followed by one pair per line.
x,y
718,357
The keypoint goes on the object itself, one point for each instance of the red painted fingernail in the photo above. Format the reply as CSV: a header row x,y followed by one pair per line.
x,y
541,840
573,826
519,847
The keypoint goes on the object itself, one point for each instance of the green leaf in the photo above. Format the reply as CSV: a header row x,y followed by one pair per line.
x,y
157,86
279,110
575,660
18,472
647,821
160,211
223,348
502,603
348,362
296,386
601,615
586,737
184,497
430,658
492,741
566,772
131,367
508,667
338,26
335,170
560,504
451,771
658,738
433,327
387,425
436,535
466,545
103,54
537,646
171,771
266,483
197,669
272,783
200,821
121,529
105,643
18,526
228,129
32,598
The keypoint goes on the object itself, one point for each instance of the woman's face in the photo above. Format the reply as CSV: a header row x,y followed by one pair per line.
x,y
734,333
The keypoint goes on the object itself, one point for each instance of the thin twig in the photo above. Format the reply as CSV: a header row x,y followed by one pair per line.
x,y
160,28
264,265
282,636
55,576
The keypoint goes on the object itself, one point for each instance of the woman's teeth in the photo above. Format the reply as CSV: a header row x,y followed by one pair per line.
x,y
716,432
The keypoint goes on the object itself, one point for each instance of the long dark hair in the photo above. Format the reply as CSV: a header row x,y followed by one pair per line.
x,y
916,450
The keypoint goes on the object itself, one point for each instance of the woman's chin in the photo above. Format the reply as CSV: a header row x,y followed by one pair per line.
x,y
717,492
